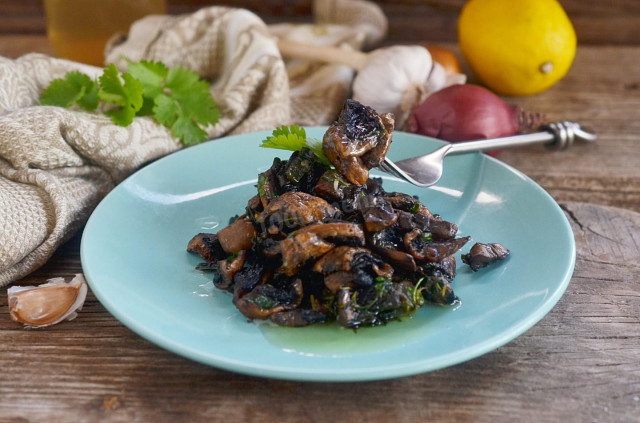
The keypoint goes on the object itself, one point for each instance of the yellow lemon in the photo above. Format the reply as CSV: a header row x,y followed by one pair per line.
x,y
517,47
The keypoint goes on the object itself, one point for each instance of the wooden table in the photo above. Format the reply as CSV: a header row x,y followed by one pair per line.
x,y
580,363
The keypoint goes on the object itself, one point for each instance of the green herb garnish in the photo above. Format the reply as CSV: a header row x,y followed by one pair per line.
x,y
175,97
294,138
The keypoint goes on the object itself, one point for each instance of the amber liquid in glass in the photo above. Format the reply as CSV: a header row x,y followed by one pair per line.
x,y
79,29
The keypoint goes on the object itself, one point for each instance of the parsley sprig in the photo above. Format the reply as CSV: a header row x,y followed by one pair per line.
x,y
294,138
175,97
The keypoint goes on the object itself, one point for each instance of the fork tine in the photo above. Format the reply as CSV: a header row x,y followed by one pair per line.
x,y
385,167
393,169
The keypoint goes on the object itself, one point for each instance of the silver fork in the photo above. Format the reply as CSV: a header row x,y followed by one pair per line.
x,y
426,170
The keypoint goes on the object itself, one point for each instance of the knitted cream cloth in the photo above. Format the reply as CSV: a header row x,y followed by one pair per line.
x,y
57,164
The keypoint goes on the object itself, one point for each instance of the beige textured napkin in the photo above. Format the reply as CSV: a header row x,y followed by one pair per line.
x,y
57,164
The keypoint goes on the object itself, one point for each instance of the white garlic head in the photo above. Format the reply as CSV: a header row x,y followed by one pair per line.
x,y
398,79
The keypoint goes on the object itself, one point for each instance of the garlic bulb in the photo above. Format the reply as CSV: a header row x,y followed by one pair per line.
x,y
393,79
397,79
49,303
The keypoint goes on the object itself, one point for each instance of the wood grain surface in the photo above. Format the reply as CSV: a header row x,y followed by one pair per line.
x,y
580,363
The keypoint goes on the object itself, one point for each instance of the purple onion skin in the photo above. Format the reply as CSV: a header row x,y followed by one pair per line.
x,y
465,112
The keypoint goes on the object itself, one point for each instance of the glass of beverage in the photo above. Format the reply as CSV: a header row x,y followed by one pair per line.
x,y
79,29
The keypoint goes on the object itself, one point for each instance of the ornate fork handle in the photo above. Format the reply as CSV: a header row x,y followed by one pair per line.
x,y
426,170
555,135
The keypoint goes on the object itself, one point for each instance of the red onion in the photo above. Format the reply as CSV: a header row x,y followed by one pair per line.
x,y
469,112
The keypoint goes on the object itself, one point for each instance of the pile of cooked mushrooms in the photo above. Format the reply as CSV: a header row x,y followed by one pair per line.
x,y
322,243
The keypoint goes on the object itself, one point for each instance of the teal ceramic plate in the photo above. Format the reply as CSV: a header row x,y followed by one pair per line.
x,y
134,258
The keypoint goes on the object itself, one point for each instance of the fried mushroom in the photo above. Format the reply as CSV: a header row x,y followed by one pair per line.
x,y
207,246
358,141
346,266
268,299
422,248
482,255
237,236
293,210
298,317
227,269
313,241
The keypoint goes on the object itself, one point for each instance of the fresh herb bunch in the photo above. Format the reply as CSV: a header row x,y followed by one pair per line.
x,y
175,97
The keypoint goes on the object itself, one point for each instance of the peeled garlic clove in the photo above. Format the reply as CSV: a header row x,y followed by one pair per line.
x,y
49,303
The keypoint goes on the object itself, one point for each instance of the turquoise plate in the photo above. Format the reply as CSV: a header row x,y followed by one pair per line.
x,y
134,258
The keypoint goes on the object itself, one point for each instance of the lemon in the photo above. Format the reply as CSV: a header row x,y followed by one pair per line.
x,y
517,47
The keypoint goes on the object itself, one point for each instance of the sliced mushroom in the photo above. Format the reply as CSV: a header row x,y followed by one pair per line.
x,y
266,300
294,209
482,255
254,208
247,278
399,259
379,216
348,314
301,248
298,317
445,267
388,244
313,241
351,267
336,232
336,281
441,229
406,203
357,141
331,186
206,246
237,236
228,268
421,246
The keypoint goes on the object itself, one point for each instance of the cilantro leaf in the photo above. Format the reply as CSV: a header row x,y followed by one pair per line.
x,y
291,138
185,104
151,75
176,97
76,87
89,100
185,129
182,80
127,96
165,110
294,138
61,93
